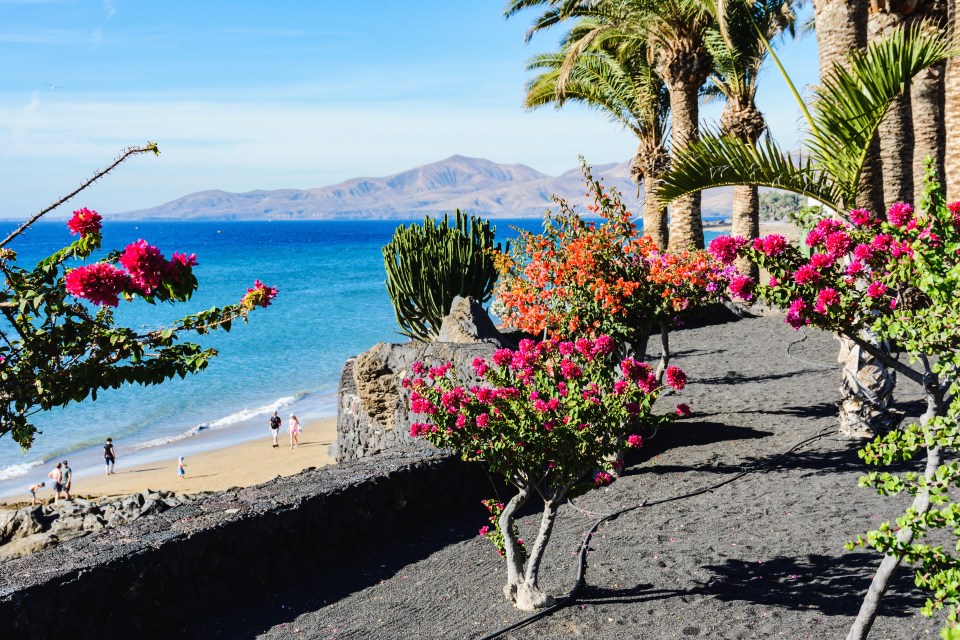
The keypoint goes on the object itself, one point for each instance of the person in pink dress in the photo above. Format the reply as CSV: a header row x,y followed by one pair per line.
x,y
295,429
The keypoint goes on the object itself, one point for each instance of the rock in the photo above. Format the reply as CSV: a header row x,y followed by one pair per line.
x,y
468,322
21,523
29,544
372,412
152,507
67,523
92,522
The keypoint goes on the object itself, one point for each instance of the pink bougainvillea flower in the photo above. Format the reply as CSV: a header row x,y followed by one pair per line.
x,y
826,298
602,478
742,287
863,252
145,264
795,314
479,366
861,217
724,248
876,289
100,283
773,282
676,378
604,345
259,296
900,214
85,222
772,245
635,441
821,260
837,243
683,410
806,274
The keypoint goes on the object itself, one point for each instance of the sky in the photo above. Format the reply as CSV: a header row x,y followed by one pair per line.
x,y
244,95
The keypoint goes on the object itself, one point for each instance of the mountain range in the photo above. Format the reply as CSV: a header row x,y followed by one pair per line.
x,y
474,185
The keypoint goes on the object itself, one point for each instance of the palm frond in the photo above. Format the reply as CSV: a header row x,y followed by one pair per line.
x,y
716,161
852,101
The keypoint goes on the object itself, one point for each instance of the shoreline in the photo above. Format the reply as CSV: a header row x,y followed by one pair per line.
x,y
211,469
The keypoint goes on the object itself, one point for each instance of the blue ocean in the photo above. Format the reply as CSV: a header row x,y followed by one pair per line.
x,y
332,305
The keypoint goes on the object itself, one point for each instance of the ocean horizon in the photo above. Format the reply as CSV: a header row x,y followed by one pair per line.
x,y
332,305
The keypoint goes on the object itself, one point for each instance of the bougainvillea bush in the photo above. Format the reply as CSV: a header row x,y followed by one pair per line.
x,y
897,276
59,342
580,277
547,418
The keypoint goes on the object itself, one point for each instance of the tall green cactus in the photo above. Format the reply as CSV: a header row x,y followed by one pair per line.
x,y
429,265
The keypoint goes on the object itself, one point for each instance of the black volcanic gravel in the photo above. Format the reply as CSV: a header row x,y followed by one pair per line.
x,y
760,558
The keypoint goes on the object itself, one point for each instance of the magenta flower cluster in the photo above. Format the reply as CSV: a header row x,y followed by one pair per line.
x,y
853,270
85,222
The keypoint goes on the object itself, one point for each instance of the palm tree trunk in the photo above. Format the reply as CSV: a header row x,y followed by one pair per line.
x,y
646,167
952,111
896,132
741,118
866,391
686,226
841,26
927,104
745,222
654,213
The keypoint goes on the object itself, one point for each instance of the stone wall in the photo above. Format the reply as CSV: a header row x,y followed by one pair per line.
x,y
372,415
144,578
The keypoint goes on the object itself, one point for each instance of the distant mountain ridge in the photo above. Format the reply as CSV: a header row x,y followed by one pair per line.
x,y
474,185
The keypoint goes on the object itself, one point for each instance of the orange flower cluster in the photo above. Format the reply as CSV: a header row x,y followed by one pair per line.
x,y
587,278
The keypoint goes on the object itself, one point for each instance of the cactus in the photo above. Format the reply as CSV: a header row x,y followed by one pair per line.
x,y
429,265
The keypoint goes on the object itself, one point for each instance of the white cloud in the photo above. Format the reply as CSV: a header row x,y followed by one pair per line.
x,y
109,8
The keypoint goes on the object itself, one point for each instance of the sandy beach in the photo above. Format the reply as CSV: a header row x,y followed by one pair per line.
x,y
239,465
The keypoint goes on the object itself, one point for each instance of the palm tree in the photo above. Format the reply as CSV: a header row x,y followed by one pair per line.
x,y
951,114
896,133
841,28
627,91
738,54
927,102
672,31
846,113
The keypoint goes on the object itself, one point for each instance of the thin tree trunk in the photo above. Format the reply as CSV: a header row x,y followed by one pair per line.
x,y
664,351
529,595
896,131
686,226
927,105
951,111
921,503
745,222
512,551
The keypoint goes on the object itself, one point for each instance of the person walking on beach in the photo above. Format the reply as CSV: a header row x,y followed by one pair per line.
x,y
181,470
33,492
66,479
56,475
294,428
109,455
275,428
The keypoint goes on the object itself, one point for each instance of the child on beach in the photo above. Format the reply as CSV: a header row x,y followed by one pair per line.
x,y
33,492
294,427
181,471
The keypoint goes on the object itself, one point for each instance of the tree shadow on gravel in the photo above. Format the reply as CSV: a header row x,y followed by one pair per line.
x,y
734,377
702,434
831,585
